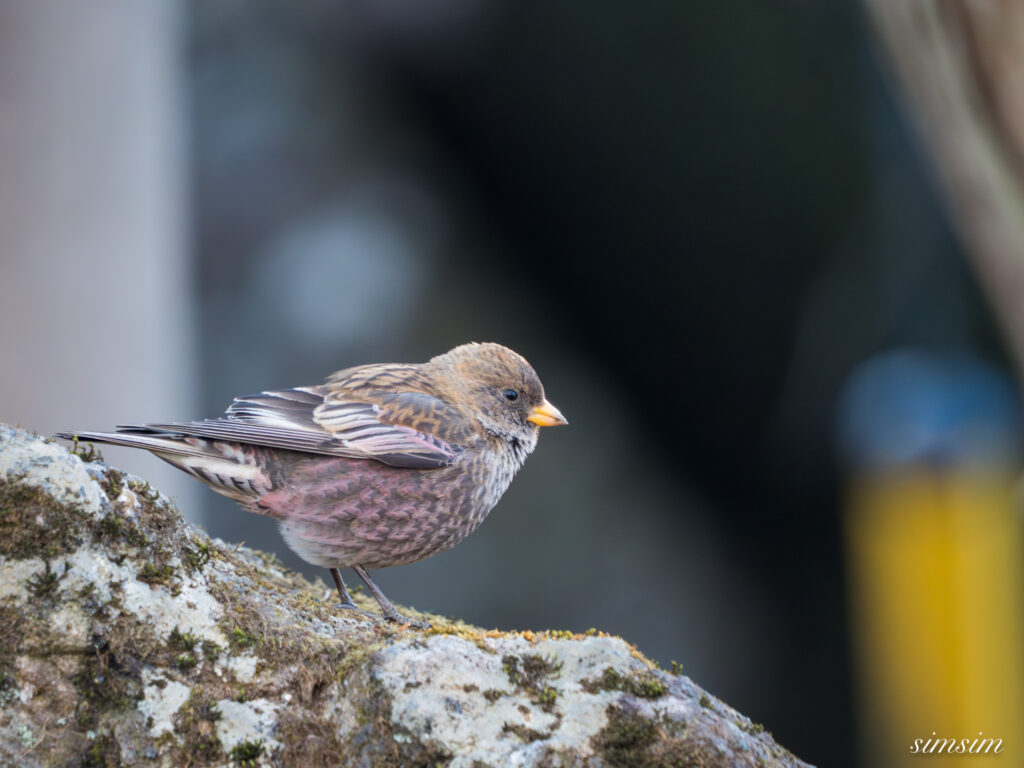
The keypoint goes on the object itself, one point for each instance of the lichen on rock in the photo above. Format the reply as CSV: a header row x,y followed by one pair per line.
x,y
128,637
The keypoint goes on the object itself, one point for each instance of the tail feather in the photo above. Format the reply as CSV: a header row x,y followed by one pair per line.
x,y
231,469
140,437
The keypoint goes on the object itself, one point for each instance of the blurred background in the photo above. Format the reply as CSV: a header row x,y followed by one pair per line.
x,y
711,230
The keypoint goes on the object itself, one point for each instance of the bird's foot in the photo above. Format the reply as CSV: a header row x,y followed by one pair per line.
x,y
398,618
388,611
392,616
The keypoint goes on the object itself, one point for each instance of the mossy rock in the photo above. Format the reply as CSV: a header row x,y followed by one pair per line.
x,y
128,637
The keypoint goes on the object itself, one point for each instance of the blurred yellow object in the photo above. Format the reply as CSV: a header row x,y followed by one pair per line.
x,y
935,559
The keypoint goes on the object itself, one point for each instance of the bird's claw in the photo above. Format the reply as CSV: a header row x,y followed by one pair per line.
x,y
391,616
356,609
405,621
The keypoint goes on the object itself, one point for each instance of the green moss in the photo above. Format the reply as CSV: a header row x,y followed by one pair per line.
x,y
93,757
185,661
529,670
324,660
153,574
87,593
632,740
241,621
546,698
705,701
132,641
646,685
271,560
315,741
530,673
194,558
524,733
196,723
751,727
87,452
111,526
245,753
102,752
143,490
34,524
310,742
240,639
493,694
211,650
44,584
12,632
112,483
117,529
158,514
626,738
309,605
178,641
105,685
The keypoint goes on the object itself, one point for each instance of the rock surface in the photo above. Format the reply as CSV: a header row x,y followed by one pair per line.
x,y
128,637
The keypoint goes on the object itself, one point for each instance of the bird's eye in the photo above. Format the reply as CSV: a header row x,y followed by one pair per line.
x,y
510,394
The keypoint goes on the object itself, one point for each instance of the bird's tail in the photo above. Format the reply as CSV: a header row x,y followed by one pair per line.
x,y
139,437
231,469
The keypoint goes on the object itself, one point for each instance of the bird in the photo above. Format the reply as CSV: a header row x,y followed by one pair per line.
x,y
381,465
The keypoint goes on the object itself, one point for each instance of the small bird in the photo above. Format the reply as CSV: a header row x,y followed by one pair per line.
x,y
381,465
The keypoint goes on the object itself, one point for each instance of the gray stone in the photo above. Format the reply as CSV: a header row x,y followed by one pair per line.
x,y
128,637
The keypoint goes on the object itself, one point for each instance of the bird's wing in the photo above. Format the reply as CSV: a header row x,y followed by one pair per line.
x,y
356,420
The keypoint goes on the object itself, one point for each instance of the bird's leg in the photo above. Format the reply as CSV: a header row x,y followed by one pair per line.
x,y
389,611
346,598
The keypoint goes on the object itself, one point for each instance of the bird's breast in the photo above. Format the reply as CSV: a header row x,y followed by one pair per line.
x,y
336,511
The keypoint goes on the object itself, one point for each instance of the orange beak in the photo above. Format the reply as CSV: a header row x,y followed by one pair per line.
x,y
546,415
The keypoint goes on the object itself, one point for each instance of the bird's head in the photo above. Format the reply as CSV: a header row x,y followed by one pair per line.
x,y
501,389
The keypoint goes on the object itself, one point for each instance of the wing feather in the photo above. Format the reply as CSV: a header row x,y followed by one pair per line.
x,y
347,417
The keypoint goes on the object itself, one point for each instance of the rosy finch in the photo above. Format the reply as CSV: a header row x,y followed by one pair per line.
x,y
381,465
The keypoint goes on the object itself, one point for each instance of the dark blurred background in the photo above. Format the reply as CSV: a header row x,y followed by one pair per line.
x,y
695,220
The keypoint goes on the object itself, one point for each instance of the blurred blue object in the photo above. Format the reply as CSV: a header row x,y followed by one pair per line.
x,y
913,406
